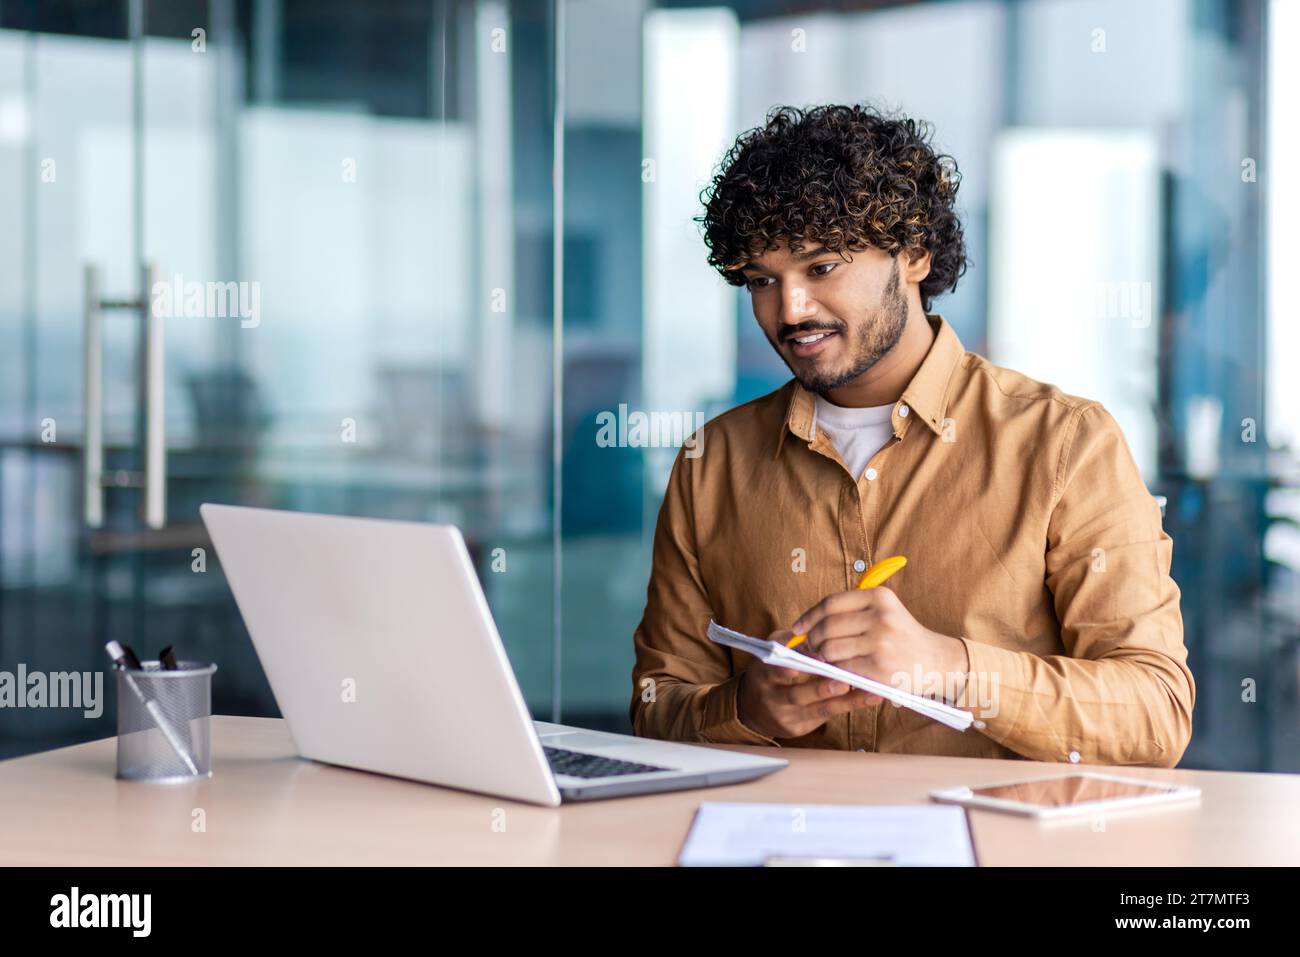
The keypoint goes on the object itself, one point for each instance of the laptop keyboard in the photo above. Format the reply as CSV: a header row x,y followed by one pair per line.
x,y
580,765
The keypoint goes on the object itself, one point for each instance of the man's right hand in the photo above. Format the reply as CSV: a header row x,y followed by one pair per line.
x,y
781,703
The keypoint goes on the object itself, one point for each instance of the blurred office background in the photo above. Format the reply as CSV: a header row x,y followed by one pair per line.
x,y
468,227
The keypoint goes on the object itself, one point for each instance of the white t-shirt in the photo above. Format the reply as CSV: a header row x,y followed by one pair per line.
x,y
856,433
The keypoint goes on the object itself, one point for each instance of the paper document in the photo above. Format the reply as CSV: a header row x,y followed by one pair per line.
x,y
750,835
775,653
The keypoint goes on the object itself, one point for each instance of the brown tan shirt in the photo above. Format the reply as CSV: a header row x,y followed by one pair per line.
x,y
1029,535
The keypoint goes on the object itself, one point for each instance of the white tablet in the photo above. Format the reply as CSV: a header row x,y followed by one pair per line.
x,y
1083,793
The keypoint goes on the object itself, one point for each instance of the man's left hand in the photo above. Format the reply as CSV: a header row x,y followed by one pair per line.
x,y
871,633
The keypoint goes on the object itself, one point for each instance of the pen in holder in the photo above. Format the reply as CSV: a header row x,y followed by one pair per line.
x,y
163,721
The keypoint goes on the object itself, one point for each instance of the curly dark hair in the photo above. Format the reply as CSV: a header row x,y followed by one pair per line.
x,y
848,177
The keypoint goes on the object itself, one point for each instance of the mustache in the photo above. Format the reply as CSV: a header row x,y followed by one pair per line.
x,y
800,331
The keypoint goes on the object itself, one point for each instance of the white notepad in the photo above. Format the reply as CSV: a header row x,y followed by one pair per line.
x,y
775,653
750,835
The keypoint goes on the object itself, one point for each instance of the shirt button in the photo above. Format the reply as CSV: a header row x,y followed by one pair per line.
x,y
902,411
1074,757
871,475
859,566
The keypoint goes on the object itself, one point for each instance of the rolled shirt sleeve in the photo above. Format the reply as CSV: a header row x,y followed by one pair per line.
x,y
1122,692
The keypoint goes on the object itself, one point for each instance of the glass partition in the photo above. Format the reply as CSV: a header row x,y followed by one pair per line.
x,y
337,212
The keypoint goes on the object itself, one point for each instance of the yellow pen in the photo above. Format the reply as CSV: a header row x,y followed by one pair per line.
x,y
877,574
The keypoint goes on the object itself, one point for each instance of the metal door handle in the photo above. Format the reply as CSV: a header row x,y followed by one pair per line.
x,y
92,458
155,439
152,365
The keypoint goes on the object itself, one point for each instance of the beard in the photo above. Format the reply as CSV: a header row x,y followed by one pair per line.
x,y
869,342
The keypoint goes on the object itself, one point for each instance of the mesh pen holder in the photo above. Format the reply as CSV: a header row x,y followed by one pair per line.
x,y
164,722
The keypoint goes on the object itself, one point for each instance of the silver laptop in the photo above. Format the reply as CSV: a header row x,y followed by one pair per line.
x,y
383,656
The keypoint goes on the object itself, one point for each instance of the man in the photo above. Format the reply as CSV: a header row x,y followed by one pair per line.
x,y
1037,592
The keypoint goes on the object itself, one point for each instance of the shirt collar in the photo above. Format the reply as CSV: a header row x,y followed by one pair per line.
x,y
926,394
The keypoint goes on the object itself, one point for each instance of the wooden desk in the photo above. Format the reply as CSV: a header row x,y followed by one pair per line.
x,y
264,805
